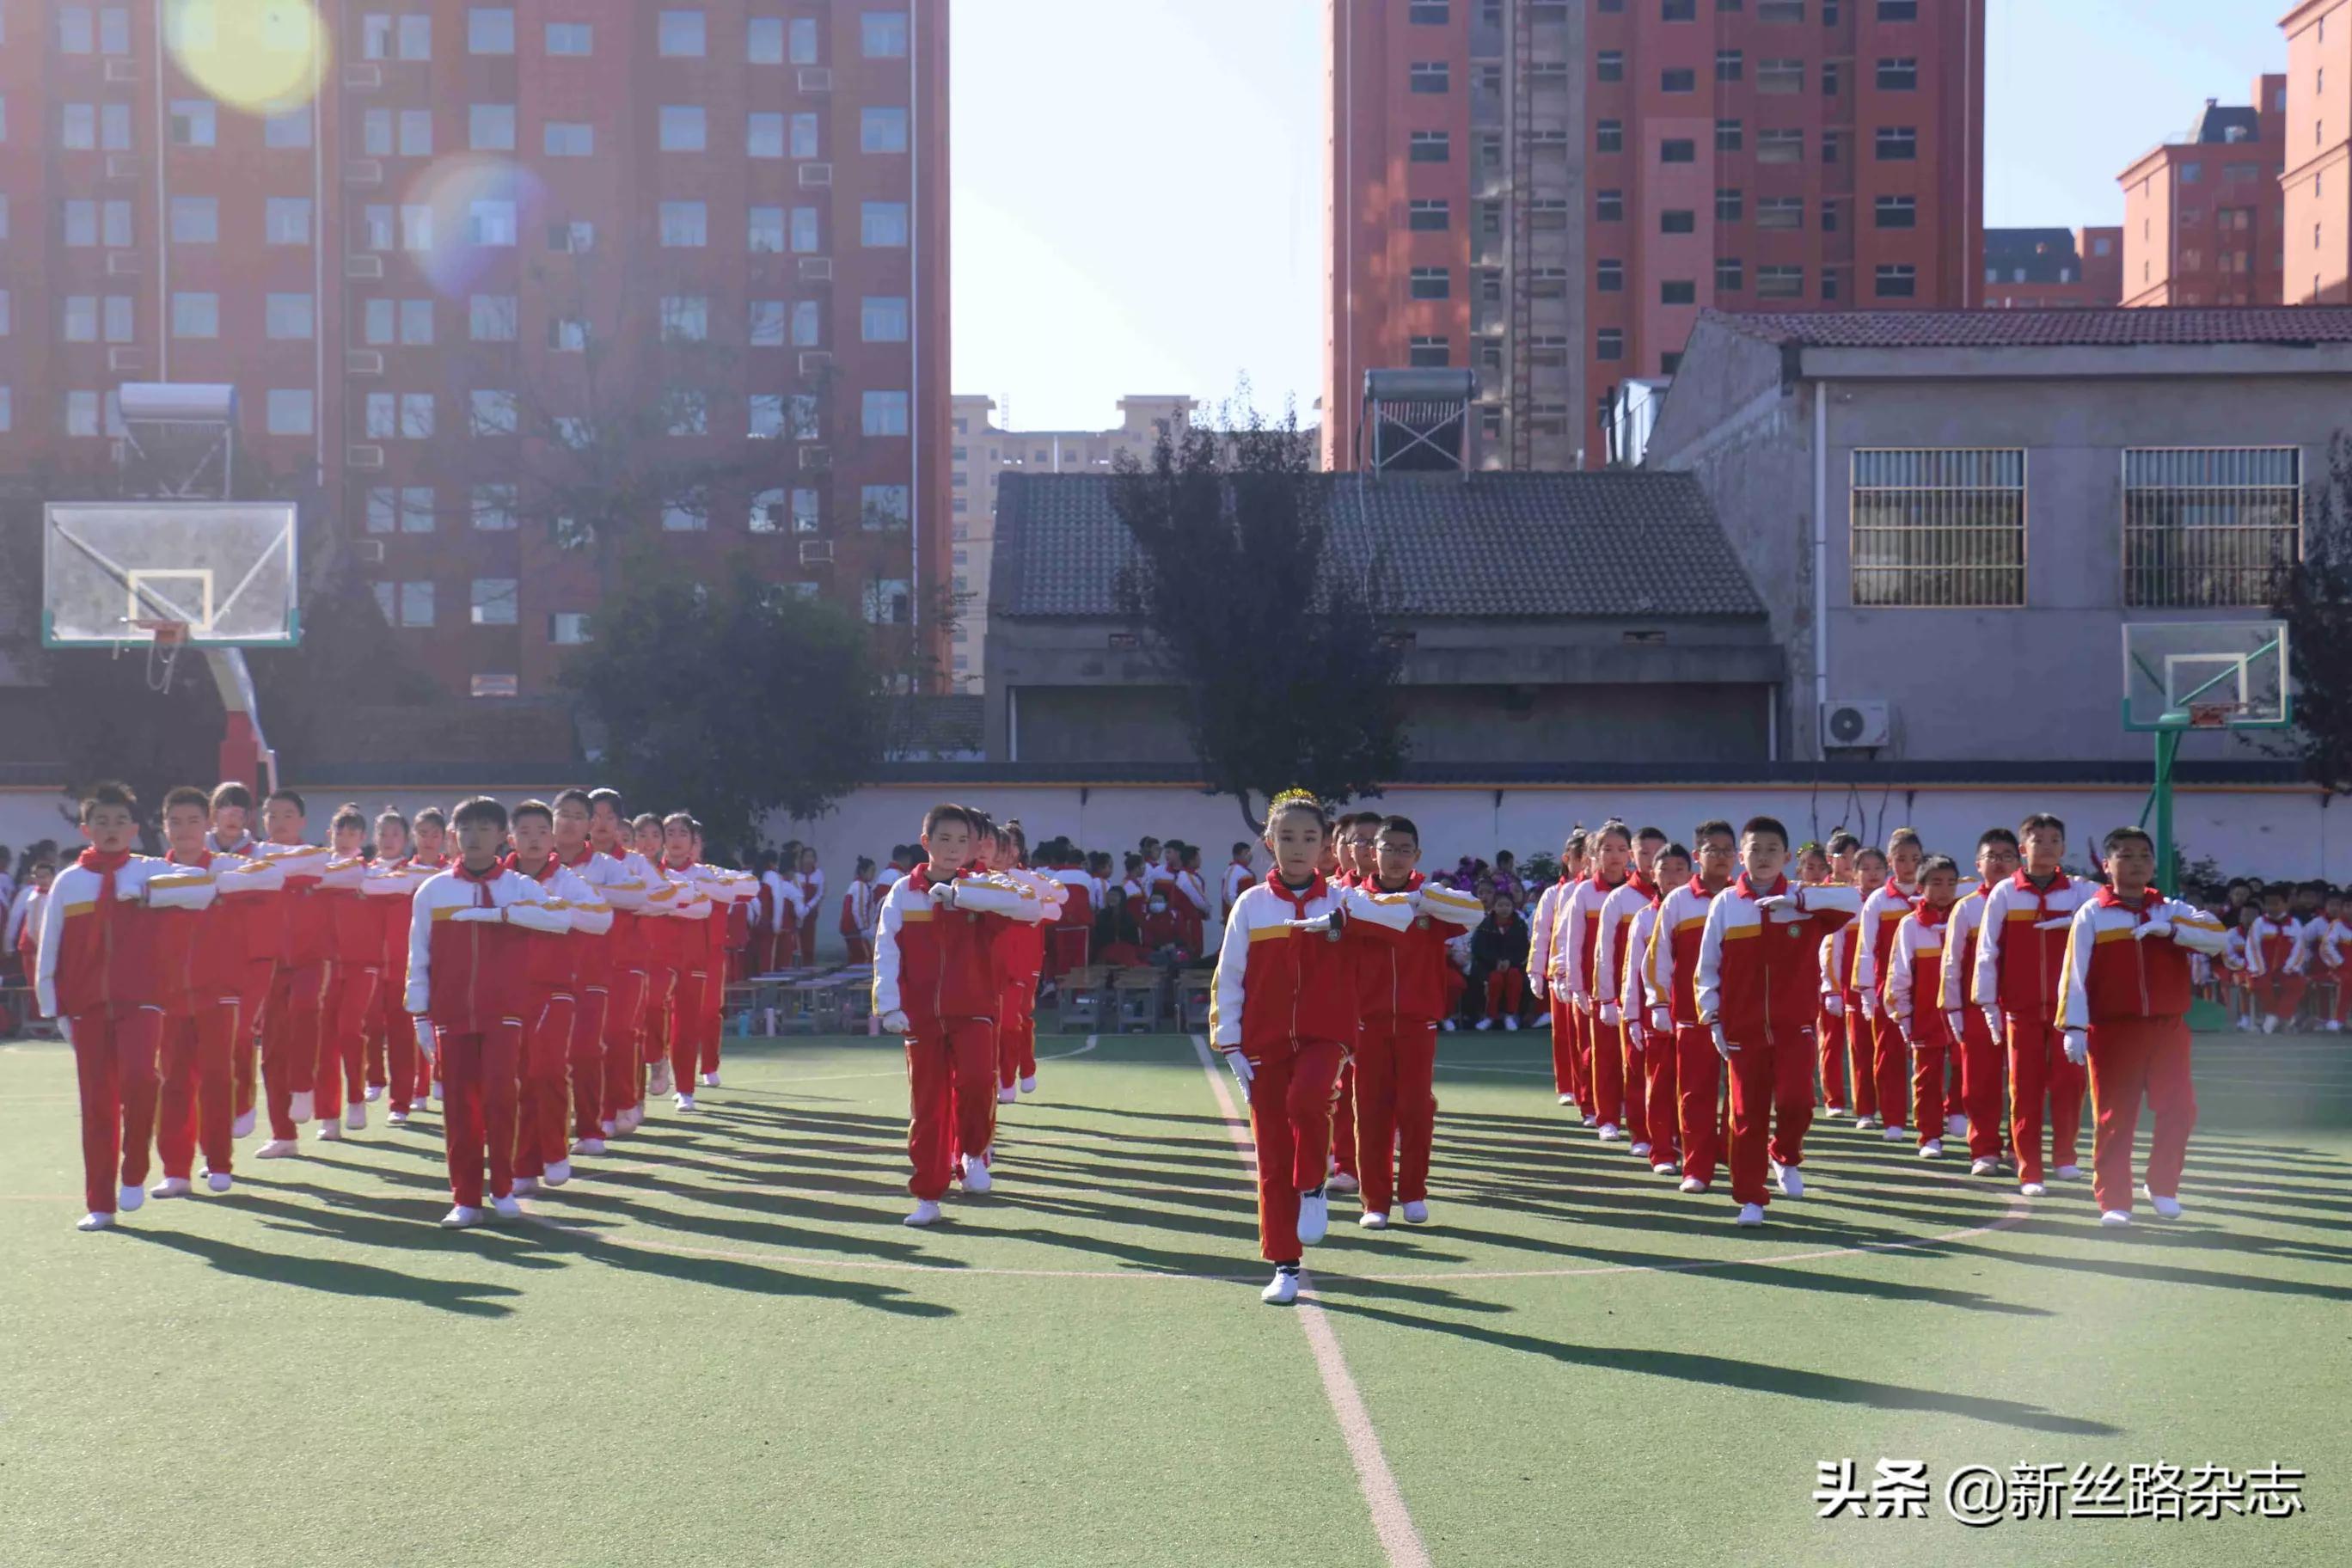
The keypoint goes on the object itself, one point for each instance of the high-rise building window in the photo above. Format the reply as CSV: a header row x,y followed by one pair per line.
x,y
490,30
286,317
1430,76
490,127
1781,11
494,601
1431,283
1608,206
1729,65
1679,79
1680,149
571,38
1897,281
881,507
195,220
882,129
1781,75
569,139
882,224
883,35
683,128
1730,276
1431,147
767,325
1899,75
1780,147
1677,220
1898,10
1428,13
879,43
684,318
1779,283
1609,136
193,122
1609,275
1830,78
884,414
763,41
1427,215
196,315
1609,65
1430,353
1779,212
491,317
1895,212
1730,136
1678,10
1677,292
1900,144
685,225
681,35
763,136
1609,344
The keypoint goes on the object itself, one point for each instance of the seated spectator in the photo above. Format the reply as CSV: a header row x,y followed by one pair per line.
x,y
1498,961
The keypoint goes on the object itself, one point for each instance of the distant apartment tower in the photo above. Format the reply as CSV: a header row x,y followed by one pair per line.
x,y
2045,268
411,258
981,454
2202,215
1548,192
2317,181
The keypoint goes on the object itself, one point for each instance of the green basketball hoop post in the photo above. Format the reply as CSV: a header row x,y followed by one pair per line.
x,y
2248,660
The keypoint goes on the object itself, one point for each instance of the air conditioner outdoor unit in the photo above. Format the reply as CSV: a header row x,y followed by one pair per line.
x,y
816,173
122,359
814,360
122,166
362,172
817,459
363,361
121,69
816,269
371,552
1852,725
815,78
122,264
362,266
816,552
363,77
367,457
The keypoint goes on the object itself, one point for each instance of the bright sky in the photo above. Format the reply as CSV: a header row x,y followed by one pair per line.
x,y
1138,185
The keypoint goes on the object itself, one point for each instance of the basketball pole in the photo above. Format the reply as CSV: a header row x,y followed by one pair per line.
x,y
2167,747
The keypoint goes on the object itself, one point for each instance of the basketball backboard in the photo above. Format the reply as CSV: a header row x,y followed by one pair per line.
x,y
2206,675
126,571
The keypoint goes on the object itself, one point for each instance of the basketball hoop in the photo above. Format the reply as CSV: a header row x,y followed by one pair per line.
x,y
164,634
167,638
2212,715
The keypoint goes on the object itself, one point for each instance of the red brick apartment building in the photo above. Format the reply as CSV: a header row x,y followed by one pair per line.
x,y
2045,269
1551,191
406,245
2203,216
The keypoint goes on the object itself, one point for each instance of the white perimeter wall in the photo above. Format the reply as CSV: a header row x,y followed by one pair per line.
x,y
2269,833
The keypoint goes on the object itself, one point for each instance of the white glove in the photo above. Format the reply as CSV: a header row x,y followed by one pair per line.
x,y
64,1028
1610,1016
2060,923
894,1022
943,895
2078,1046
426,1040
1536,985
2157,927
480,916
1954,1022
1834,1005
1243,1072
1993,1022
1583,1003
1723,1047
1872,1007
1781,908
1662,1021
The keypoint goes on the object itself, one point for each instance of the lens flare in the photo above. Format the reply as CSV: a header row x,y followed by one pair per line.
x,y
476,210
262,57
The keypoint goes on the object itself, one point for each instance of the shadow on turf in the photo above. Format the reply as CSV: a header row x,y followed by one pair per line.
x,y
338,1276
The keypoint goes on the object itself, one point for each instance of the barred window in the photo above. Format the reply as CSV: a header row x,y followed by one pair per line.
x,y
2209,526
1940,528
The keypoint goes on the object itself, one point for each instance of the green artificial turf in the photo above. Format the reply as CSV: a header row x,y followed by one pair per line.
x,y
720,1346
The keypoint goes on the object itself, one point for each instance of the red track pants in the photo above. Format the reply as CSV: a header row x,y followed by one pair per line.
x,y
1564,1077
1624,1038
2280,995
689,1012
1290,1118
1699,1099
1861,1047
2038,1067
479,1075
624,1025
341,1077
1507,988
252,1002
1662,1110
292,1022
653,1036
1928,1063
1890,1069
1016,1031
114,1067
1606,1076
542,1134
2144,1056
1396,1109
950,1099
199,1093
1772,1107
1981,1086
587,1054
1833,1038
1343,1119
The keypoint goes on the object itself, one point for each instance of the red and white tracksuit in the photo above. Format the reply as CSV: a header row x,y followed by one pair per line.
x,y
294,1020
2131,995
1071,943
95,969
1615,922
1401,999
811,888
393,1060
2021,952
263,919
1623,983
353,898
2333,938
1285,997
1019,957
1577,937
937,965
2278,965
624,880
1545,951
859,905
200,946
557,935
1831,1018
1889,1062
1983,1068
1674,939
1759,978
597,952
1915,984
467,972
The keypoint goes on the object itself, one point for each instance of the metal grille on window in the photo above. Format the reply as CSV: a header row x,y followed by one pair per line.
x,y
1940,528
2209,526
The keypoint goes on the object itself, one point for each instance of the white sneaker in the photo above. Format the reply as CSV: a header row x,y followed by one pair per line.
x,y
128,1199
589,1146
2270,1026
1664,1168
976,1178
1984,1167
1792,1182
300,1108
2033,1190
1373,1219
170,1187
1512,1023
1693,1185
2168,1207
355,1114
558,1173
218,1181
1591,1121
685,1100
1543,1020
505,1207
525,1186
1483,1025
1283,1290
711,1080
1029,1084
610,1128
1896,1135
1749,1214
1640,1150
1956,1126
277,1149
1933,1149
375,1092
927,1212
1006,1096
2246,1025
1867,1124
2115,1217
2334,1026
331,1131
460,1217
1609,1133
1416,1213
1450,1026
2070,1173
397,1119
1568,1100
658,1081
242,1127
438,1094
94,1221
636,1118
1314,1217
1341,1181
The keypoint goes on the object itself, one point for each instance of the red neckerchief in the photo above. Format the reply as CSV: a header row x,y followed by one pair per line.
x,y
242,847
919,878
2148,900
1927,914
1747,889
205,858
481,880
1643,886
587,853
546,873
2040,896
1412,883
1298,900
